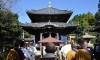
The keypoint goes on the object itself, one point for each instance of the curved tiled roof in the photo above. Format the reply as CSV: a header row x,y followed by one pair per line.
x,y
49,10
95,29
50,39
43,24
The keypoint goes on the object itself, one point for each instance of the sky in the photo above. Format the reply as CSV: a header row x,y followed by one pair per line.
x,y
78,7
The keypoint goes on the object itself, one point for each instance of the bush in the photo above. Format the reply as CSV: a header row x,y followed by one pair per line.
x,y
3,55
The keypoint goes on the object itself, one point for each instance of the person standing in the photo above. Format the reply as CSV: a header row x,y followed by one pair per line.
x,y
83,53
71,54
15,53
97,50
65,49
32,51
50,51
24,50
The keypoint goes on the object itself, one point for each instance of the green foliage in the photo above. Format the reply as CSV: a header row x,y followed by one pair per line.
x,y
3,55
98,38
86,21
9,24
97,16
27,35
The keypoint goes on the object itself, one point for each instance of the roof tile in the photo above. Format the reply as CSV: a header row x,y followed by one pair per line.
x,y
43,24
49,10
50,39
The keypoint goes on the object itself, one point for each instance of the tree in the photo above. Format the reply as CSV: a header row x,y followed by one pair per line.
x,y
27,35
9,24
7,5
9,27
97,16
86,21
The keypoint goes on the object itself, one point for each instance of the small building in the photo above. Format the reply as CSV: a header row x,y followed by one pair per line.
x,y
50,39
88,37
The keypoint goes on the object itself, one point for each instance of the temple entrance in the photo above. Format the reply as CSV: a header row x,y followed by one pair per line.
x,y
45,35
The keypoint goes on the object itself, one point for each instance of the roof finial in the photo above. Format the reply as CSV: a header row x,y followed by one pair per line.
x,y
49,5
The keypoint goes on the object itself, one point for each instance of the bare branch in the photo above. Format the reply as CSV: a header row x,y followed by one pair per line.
x,y
6,6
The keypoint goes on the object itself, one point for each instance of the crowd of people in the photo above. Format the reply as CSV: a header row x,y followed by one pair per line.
x,y
22,51
68,52
77,53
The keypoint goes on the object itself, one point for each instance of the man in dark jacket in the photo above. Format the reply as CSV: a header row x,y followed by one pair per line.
x,y
50,50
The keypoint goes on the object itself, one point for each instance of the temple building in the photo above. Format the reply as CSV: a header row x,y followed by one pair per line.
x,y
96,28
49,21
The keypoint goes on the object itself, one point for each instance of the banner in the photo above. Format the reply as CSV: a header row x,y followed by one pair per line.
x,y
63,38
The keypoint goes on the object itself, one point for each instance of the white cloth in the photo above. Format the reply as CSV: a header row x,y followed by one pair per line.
x,y
44,52
32,51
65,49
24,50
35,51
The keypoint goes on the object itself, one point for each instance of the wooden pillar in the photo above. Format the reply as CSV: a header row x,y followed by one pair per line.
x,y
57,35
41,44
57,46
23,34
34,40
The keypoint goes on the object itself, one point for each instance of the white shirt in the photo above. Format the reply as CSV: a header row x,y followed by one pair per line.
x,y
32,50
65,49
24,50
